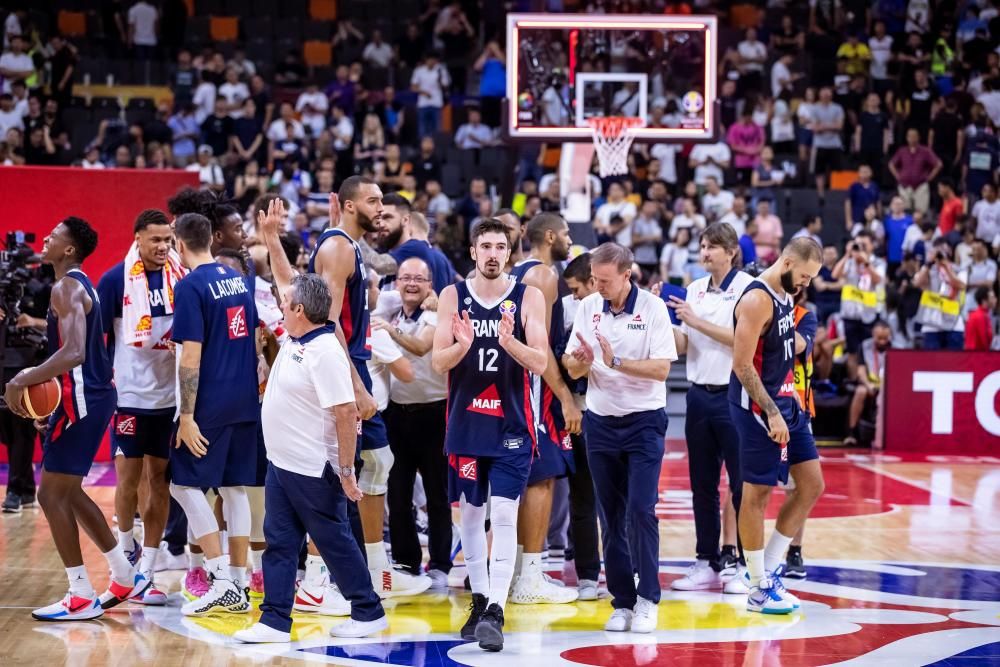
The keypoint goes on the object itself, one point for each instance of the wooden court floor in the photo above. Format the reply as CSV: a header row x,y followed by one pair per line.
x,y
904,569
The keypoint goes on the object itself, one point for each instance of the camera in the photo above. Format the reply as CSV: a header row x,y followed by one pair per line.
x,y
19,282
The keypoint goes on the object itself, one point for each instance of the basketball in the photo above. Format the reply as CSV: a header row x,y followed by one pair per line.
x,y
42,399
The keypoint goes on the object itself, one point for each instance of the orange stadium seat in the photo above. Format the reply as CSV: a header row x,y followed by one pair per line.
x,y
323,10
72,23
841,180
317,53
743,16
224,28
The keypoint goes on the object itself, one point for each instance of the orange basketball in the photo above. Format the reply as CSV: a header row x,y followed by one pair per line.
x,y
42,399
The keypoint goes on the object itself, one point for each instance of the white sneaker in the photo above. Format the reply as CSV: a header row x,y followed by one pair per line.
x,y
699,577
309,596
334,602
644,616
620,621
534,589
352,628
780,585
259,633
167,561
395,583
223,596
739,584
765,598
438,578
587,589
70,608
552,580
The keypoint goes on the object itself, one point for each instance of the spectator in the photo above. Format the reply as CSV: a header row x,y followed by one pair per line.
x,y
183,78
789,38
292,182
782,130
204,100
689,219
825,288
410,46
392,170
393,115
872,135
709,160
285,136
981,160
764,178
864,278
92,158
806,117
209,172
234,92
979,328
492,68
473,133
647,235
868,378
291,71
123,158
737,217
455,33
469,207
675,257
438,204
716,202
618,205
378,54
769,233
782,78
429,81
218,129
916,107
896,225
340,92
243,66
811,228
143,26
947,136
39,149
348,42
9,116
952,206
370,148
248,135
856,53
746,139
880,47
262,100
982,272
914,166
427,166
747,248
62,60
15,24
312,105
986,213
16,65
752,56
827,125
941,319
863,193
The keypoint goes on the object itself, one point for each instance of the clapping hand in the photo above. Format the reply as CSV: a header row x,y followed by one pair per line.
x,y
585,353
607,354
506,331
461,329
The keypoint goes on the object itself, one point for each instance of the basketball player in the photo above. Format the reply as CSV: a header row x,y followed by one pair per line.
x,y
354,211
775,433
215,325
79,359
496,337
137,305
555,412
515,228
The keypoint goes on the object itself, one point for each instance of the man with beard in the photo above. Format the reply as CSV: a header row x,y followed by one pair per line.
x,y
515,229
397,238
556,415
488,351
774,431
355,210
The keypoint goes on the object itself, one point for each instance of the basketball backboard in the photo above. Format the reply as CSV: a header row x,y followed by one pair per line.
x,y
565,68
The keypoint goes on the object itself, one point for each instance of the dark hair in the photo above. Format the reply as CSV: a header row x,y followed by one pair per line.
x,y
83,235
804,248
578,269
151,216
983,294
488,226
189,200
351,186
809,219
262,202
880,323
947,182
229,253
195,230
507,211
541,223
397,200
219,214
723,235
612,253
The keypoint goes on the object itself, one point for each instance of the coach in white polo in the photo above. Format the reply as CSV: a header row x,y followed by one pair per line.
x,y
706,336
309,419
622,340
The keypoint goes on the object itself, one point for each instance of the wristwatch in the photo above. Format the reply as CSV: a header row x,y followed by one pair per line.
x,y
399,332
616,362
345,471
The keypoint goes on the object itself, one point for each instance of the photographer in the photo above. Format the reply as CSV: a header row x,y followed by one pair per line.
x,y
24,300
940,312
862,296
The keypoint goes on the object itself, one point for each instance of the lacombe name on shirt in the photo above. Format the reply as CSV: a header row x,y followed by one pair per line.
x,y
228,287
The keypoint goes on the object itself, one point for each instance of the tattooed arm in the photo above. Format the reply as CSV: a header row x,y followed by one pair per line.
x,y
188,375
753,315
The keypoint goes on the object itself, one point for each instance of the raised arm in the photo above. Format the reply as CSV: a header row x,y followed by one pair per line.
x,y
269,224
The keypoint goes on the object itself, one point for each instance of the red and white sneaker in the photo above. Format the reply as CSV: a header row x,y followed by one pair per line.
x,y
196,583
70,608
309,596
118,593
257,584
152,597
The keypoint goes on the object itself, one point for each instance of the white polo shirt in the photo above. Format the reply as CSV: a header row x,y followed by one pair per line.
x,y
310,376
427,386
641,331
708,360
384,352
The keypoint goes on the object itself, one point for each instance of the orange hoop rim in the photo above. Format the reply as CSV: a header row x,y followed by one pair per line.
x,y
612,126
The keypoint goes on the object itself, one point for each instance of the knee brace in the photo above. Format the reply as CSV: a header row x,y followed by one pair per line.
x,y
255,495
201,519
374,479
236,509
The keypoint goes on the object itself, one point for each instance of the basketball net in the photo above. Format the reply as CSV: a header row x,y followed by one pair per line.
x,y
613,138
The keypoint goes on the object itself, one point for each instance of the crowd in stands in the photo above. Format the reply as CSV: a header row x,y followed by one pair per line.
x,y
901,96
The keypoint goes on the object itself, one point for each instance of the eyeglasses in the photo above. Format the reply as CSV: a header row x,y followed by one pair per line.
x,y
412,279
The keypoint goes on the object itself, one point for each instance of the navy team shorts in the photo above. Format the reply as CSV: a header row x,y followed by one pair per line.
x,y
762,460
479,477
136,435
231,459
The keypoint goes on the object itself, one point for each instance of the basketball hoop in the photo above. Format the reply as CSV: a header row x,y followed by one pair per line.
x,y
613,138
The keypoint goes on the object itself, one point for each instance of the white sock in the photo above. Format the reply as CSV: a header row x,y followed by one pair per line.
x,y
474,549
774,553
148,560
377,558
239,575
503,522
196,560
126,540
755,565
316,574
219,567
531,565
121,569
256,559
79,582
